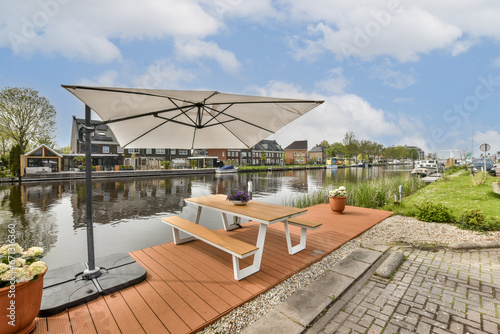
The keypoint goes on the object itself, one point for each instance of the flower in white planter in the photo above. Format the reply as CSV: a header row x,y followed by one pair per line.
x,y
339,192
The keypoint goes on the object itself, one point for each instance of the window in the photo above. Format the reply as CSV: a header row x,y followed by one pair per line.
x,y
243,154
119,149
134,150
105,149
172,151
160,151
223,154
183,152
149,151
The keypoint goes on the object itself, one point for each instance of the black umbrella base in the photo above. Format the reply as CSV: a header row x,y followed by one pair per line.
x,y
65,287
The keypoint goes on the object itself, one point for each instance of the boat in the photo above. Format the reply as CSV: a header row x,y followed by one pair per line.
x,y
330,166
229,169
419,172
432,166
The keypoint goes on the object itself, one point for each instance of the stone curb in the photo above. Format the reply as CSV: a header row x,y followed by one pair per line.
x,y
474,245
389,266
295,314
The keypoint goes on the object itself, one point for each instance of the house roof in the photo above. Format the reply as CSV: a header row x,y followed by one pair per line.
x,y
267,145
317,148
48,148
297,145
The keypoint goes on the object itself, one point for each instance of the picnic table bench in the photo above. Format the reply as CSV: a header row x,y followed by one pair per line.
x,y
237,248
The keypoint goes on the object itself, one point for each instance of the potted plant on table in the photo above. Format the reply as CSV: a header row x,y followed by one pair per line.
x,y
21,287
338,199
238,198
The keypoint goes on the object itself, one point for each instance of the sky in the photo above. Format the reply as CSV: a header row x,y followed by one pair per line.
x,y
398,72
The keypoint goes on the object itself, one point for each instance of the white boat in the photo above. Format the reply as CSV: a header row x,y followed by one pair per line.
x,y
230,169
330,166
420,172
432,166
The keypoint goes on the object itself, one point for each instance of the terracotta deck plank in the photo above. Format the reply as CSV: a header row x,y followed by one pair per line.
x,y
125,319
202,277
194,261
190,280
162,309
218,264
191,285
185,311
41,326
104,321
81,320
142,311
59,323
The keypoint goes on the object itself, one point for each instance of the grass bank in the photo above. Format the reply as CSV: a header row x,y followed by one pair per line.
x,y
459,197
374,193
459,192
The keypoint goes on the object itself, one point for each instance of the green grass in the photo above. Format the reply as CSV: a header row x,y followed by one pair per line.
x,y
373,193
458,193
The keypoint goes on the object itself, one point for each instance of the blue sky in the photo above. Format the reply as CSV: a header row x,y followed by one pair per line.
x,y
397,72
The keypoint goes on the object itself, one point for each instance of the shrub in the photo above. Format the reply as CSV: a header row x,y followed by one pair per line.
x,y
126,167
478,179
433,212
475,220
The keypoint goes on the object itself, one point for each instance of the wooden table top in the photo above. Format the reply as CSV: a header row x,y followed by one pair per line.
x,y
253,209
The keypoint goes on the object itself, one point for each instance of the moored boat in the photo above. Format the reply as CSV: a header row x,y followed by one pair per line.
x,y
227,170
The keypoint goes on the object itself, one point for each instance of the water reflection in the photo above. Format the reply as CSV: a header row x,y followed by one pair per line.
x,y
127,211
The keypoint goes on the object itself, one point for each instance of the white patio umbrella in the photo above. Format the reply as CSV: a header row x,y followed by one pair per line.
x,y
153,118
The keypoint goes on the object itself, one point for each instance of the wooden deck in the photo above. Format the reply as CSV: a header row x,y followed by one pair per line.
x,y
189,286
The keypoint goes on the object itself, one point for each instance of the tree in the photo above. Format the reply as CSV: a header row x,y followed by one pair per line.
x,y
351,145
26,118
15,160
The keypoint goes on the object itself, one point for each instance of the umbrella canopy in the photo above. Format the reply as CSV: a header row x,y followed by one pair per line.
x,y
153,118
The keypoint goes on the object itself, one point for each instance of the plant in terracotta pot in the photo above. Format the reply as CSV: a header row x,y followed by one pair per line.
x,y
238,198
338,199
21,287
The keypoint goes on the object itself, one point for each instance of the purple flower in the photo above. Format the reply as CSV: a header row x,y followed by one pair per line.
x,y
239,196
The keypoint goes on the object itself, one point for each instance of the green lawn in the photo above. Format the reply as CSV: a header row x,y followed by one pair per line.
x,y
458,193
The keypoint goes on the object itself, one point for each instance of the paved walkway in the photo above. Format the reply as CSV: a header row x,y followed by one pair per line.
x,y
433,291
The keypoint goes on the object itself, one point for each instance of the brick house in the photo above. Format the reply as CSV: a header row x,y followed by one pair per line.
x,y
317,154
296,153
267,152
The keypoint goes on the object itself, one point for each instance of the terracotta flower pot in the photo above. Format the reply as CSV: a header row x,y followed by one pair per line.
x,y
337,204
19,306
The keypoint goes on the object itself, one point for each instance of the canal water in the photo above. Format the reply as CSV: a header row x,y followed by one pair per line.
x,y
127,211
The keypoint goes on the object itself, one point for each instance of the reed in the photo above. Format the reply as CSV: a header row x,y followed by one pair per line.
x,y
374,193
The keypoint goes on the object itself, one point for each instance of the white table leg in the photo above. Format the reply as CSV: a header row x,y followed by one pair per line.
x,y
302,244
228,227
198,215
257,259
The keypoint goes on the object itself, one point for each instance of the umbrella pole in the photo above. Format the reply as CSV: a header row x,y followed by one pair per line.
x,y
92,271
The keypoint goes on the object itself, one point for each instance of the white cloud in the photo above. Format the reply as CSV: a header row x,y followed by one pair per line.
x,y
413,29
403,100
191,49
331,120
389,77
93,31
106,79
490,137
335,83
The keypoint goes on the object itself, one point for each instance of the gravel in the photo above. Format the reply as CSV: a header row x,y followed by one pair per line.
x,y
393,230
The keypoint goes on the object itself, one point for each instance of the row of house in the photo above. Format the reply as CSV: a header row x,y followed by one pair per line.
x,y
107,152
